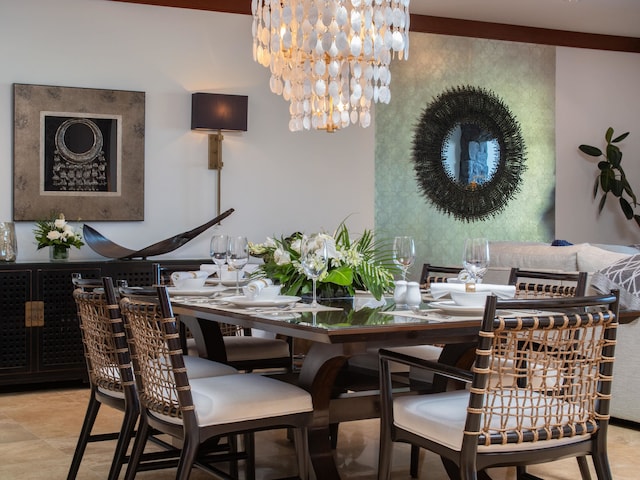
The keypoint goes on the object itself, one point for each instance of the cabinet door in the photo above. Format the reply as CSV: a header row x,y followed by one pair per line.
x,y
15,350
60,342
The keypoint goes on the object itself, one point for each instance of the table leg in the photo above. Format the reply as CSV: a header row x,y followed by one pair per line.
x,y
318,375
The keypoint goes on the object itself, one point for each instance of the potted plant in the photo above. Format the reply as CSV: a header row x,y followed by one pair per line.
x,y
58,235
354,264
611,178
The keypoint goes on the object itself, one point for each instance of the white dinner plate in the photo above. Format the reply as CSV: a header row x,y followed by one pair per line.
x,y
280,300
192,291
452,308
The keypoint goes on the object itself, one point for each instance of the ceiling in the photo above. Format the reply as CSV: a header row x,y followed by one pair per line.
x,y
608,17
605,17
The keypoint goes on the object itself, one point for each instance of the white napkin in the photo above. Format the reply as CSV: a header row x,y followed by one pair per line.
x,y
501,291
177,276
254,287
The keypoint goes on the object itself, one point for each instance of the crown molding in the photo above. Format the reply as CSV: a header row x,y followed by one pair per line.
x,y
448,26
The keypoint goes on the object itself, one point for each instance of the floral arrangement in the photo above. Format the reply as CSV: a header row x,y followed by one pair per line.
x,y
353,265
57,232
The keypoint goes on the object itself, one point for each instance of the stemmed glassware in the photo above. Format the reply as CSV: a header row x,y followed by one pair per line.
x,y
238,256
314,258
404,253
475,259
218,252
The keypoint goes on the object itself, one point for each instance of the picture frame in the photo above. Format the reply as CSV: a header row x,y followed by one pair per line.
x,y
78,151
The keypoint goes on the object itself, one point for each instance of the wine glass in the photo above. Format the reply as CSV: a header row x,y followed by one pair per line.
x,y
238,256
218,252
476,258
404,253
314,258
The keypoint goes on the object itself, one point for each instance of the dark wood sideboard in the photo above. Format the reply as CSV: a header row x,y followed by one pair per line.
x,y
40,340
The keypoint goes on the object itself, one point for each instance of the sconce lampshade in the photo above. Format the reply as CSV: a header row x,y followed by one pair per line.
x,y
212,111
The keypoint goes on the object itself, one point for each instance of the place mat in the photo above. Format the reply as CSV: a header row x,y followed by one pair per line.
x,y
219,304
432,315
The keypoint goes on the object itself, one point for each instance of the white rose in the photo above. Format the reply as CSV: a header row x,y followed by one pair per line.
x,y
281,257
54,235
60,223
270,243
296,245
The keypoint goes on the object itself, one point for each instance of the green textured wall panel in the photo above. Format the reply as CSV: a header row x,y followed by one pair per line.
x,y
523,76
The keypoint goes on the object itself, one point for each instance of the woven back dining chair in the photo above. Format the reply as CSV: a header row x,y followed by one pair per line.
x,y
109,368
507,416
195,411
111,378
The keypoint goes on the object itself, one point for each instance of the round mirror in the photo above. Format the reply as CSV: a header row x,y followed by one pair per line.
x,y
468,153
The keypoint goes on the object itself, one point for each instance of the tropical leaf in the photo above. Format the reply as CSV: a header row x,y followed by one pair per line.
x,y
589,150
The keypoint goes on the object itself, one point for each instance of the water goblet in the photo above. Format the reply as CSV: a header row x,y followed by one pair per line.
x,y
238,256
404,253
218,252
314,258
475,259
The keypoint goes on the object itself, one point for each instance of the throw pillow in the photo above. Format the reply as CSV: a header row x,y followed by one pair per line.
x,y
623,275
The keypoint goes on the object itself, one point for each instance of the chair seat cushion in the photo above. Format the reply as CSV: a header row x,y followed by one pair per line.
x,y
440,417
242,397
201,367
241,347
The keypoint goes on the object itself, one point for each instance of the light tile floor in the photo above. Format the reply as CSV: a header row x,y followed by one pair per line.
x,y
39,430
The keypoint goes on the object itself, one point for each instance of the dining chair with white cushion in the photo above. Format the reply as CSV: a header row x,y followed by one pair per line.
x,y
110,370
505,417
195,411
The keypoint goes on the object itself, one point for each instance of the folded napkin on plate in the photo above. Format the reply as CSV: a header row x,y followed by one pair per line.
x,y
177,276
501,291
254,287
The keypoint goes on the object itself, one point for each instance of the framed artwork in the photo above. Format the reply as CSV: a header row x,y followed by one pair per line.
x,y
79,151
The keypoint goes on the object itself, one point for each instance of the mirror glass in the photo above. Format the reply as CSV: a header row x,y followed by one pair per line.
x,y
470,154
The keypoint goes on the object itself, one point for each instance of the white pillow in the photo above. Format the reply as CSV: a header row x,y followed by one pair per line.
x,y
534,256
592,258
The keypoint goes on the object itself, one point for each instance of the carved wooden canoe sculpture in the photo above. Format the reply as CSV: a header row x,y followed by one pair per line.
x,y
109,249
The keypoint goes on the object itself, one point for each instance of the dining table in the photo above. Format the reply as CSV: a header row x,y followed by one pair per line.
x,y
334,331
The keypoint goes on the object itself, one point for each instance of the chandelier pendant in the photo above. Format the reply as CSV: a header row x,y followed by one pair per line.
x,y
330,58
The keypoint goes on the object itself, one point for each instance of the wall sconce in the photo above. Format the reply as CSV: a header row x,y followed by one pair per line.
x,y
212,112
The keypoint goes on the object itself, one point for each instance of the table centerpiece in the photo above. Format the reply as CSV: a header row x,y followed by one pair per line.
x,y
354,264
58,235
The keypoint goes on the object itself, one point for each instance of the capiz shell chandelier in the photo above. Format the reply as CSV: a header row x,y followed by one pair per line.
x,y
330,58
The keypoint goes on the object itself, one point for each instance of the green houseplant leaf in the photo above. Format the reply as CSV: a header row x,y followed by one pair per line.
x,y
611,178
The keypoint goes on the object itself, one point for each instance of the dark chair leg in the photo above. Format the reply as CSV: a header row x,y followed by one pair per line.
x,y
521,474
601,463
124,438
250,449
583,465
187,458
138,448
333,432
414,468
85,434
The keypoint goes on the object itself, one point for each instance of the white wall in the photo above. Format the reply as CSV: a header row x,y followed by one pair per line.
x,y
278,182
594,90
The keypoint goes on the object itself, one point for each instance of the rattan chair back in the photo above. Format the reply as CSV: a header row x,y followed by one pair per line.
x,y
531,284
543,375
106,353
157,357
437,274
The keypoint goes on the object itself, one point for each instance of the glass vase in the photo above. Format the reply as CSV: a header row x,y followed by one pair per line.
x,y
58,253
8,242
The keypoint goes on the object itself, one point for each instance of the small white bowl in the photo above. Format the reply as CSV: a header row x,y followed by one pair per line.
x,y
189,283
271,291
470,299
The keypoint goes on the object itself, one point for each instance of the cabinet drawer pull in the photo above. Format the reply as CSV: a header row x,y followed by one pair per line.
x,y
34,314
